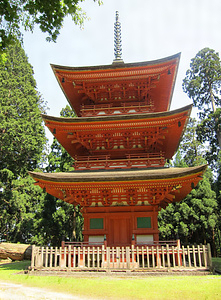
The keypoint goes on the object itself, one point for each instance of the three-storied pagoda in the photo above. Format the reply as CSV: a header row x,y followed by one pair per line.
x,y
120,141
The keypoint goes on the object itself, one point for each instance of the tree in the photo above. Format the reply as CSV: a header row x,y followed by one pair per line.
x,y
202,84
22,136
60,218
195,218
48,14
22,142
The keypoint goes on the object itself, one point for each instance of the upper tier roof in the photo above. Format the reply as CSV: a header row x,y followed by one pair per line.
x,y
120,82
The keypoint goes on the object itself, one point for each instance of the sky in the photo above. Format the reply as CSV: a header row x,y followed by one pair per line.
x,y
150,30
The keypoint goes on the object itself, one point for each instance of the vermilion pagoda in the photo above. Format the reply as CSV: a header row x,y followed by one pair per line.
x,y
120,141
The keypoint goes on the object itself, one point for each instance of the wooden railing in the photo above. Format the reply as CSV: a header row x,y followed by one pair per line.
x,y
108,109
131,161
121,258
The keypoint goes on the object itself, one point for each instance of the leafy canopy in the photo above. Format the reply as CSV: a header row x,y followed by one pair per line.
x,y
48,14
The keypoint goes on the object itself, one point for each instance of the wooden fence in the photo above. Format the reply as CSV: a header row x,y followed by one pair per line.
x,y
121,258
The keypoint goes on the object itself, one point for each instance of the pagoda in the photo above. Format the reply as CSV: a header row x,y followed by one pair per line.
x,y
121,139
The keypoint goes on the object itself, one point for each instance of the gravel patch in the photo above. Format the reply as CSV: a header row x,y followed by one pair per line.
x,y
11,291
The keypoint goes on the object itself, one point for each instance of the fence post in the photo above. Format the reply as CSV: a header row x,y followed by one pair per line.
x,y
33,257
209,256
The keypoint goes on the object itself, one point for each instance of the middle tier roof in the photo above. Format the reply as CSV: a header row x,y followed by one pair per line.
x,y
120,135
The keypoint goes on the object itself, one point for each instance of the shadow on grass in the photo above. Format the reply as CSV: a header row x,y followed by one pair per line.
x,y
15,266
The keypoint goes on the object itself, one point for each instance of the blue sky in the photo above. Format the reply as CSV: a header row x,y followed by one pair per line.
x,y
150,30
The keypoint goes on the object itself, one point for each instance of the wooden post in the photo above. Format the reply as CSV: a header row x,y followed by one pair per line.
x,y
204,256
103,256
55,257
184,257
153,258
51,257
178,253
108,257
158,258
74,257
209,256
168,255
138,258
93,256
188,253
69,256
142,251
61,259
41,257
173,255
128,257
118,257
123,257
163,257
33,257
132,254
194,257
199,255
79,257
98,257
65,258
148,257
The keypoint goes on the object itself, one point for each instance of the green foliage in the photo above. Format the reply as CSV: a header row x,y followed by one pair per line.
x,y
194,219
203,80
48,14
21,206
202,84
22,142
60,218
22,136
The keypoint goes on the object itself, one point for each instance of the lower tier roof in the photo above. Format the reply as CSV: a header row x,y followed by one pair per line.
x,y
124,187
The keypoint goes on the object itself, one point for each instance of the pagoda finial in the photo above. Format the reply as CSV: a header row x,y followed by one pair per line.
x,y
117,40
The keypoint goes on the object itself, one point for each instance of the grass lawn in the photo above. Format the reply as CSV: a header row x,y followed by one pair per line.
x,y
157,287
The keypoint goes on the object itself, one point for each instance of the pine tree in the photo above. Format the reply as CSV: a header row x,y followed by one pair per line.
x,y
22,142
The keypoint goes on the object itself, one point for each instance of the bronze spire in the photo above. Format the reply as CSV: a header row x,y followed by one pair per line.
x,y
117,40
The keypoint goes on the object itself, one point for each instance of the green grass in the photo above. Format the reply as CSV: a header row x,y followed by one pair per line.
x,y
111,287
217,263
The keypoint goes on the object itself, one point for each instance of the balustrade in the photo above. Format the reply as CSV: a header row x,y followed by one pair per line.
x,y
131,161
134,257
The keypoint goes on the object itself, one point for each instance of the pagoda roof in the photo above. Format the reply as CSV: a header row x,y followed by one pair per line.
x,y
74,133
117,175
159,76
156,187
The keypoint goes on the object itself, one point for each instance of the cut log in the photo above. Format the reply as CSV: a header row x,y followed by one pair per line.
x,y
15,251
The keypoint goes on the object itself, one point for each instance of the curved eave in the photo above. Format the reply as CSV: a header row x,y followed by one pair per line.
x,y
116,176
62,128
119,65
152,67
117,118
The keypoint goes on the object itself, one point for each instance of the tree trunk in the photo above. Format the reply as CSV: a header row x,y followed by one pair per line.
x,y
15,251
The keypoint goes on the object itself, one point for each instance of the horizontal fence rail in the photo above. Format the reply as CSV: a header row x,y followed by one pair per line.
x,y
120,258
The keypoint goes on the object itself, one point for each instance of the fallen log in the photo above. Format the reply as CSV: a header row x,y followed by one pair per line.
x,y
15,251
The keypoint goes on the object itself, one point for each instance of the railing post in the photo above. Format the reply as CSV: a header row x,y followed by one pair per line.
x,y
33,257
209,256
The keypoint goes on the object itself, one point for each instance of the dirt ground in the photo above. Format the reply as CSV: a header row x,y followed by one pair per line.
x,y
11,291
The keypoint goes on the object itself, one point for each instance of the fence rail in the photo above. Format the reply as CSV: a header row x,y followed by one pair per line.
x,y
120,258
